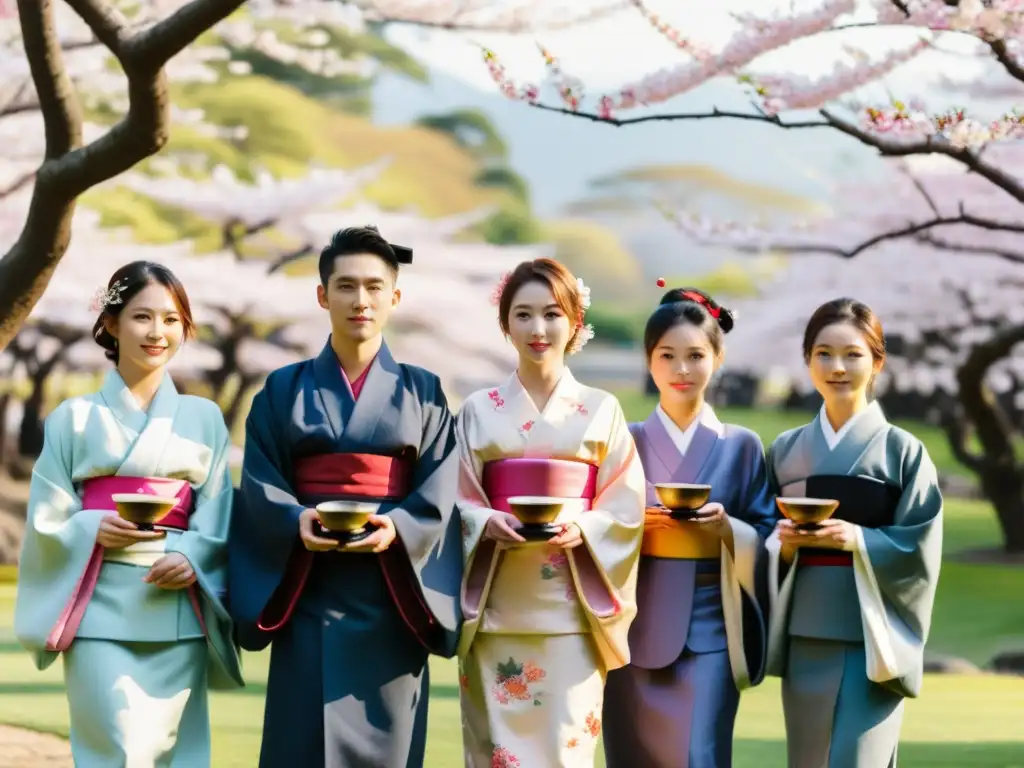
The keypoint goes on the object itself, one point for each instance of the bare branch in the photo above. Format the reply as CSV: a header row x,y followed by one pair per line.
x,y
106,22
1002,53
1014,257
287,258
467,18
63,124
618,122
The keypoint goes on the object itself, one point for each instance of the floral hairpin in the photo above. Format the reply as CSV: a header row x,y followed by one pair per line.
x,y
584,332
104,297
500,288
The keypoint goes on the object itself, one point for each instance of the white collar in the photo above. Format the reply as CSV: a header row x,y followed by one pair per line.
x,y
832,437
680,438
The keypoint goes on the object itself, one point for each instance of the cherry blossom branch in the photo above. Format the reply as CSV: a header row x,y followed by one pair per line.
x,y
939,244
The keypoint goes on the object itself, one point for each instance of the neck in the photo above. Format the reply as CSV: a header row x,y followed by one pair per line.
x,y
683,414
355,356
540,380
840,413
143,384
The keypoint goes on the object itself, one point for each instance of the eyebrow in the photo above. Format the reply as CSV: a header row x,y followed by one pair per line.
x,y
354,279
845,346
670,348
172,311
530,306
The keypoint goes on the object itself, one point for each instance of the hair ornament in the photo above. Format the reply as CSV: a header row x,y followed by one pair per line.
x,y
584,293
660,282
584,331
104,297
715,312
499,288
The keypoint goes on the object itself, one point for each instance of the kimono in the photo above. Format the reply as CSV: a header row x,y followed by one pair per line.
x,y
848,629
699,637
543,624
351,632
138,659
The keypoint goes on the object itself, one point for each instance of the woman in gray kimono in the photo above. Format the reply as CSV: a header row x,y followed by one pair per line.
x,y
699,635
851,601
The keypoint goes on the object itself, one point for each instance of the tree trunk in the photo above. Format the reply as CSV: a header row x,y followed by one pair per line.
x,y
5,402
1005,490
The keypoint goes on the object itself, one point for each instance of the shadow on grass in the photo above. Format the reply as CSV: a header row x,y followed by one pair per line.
x,y
764,753
437,691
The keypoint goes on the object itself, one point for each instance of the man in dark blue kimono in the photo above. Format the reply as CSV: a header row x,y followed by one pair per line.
x,y
352,626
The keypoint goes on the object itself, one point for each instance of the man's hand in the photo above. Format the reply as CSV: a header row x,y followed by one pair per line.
x,y
172,571
377,541
116,533
307,532
830,534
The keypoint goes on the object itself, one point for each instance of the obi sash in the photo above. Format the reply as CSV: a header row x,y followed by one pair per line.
x,y
505,478
352,476
677,539
97,493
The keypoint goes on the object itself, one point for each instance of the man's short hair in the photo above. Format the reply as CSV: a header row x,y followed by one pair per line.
x,y
366,239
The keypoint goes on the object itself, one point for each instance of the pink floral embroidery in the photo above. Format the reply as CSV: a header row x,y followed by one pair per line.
x,y
555,563
502,758
581,409
525,429
496,398
572,743
513,679
593,726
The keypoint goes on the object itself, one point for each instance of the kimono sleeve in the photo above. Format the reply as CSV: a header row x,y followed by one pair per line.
x,y
204,544
606,564
897,571
471,499
758,508
59,544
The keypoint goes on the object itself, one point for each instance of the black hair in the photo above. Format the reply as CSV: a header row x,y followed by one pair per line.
x,y
688,305
368,239
124,285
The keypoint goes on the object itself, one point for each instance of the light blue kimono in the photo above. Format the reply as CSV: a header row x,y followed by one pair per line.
x,y
139,666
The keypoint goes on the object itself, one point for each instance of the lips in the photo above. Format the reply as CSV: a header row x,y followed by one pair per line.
x,y
360,319
153,351
538,346
682,386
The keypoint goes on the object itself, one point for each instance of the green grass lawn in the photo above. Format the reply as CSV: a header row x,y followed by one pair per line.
x,y
960,721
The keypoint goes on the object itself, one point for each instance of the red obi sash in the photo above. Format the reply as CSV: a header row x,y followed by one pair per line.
x,y
335,476
824,557
97,493
505,478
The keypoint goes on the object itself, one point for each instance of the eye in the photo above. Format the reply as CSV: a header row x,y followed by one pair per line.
x,y
140,316
375,288
522,315
823,353
856,354
553,315
667,355
170,320
697,356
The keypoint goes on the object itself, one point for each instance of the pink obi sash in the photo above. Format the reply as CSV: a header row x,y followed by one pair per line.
x,y
505,478
336,476
97,493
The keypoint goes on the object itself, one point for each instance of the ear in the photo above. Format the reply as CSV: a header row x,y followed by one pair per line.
x,y
321,296
719,359
396,297
877,366
110,323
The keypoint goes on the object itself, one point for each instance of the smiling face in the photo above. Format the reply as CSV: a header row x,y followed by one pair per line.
x,y
359,296
841,364
682,363
149,329
539,328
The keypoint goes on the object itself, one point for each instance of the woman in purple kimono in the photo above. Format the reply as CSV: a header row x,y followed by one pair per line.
x,y
699,636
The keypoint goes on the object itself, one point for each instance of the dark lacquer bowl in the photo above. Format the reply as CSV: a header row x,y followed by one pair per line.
x,y
345,516
142,508
536,510
807,512
687,497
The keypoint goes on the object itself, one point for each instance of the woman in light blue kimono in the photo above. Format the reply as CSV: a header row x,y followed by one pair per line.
x,y
136,614
699,635
851,600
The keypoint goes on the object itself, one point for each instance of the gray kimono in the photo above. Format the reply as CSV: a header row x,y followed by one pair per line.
x,y
848,629
699,635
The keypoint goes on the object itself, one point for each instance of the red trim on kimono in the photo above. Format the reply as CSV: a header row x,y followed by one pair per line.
x,y
839,558
97,493
346,475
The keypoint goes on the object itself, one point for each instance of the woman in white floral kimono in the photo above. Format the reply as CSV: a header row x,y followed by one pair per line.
x,y
545,619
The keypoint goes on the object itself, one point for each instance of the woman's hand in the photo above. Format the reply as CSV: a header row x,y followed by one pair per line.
x,y
714,517
172,571
502,526
570,537
117,533
831,534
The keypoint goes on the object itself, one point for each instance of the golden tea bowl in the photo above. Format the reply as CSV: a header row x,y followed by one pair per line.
x,y
536,510
683,496
142,508
346,516
807,512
